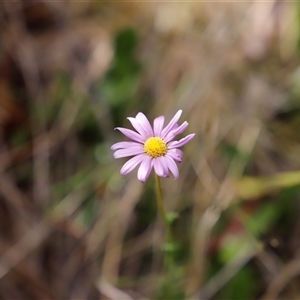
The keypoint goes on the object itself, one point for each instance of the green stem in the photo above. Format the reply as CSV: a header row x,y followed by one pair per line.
x,y
162,212
160,200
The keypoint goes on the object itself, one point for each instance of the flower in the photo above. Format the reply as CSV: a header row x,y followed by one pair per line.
x,y
152,147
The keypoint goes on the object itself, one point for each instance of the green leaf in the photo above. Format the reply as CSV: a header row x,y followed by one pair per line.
x,y
171,217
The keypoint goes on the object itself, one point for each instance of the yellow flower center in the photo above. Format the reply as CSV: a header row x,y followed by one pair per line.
x,y
155,147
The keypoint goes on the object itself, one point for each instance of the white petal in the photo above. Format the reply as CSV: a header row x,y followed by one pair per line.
x,y
165,166
171,124
131,164
176,131
145,168
158,167
138,127
131,134
124,145
158,124
182,142
176,154
172,166
142,119
128,152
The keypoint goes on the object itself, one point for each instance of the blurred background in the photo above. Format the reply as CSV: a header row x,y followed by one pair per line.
x,y
71,227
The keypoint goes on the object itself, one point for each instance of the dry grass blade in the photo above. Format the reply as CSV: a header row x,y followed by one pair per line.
x,y
285,276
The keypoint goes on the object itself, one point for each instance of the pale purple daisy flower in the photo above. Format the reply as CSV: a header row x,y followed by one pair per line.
x,y
152,147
